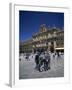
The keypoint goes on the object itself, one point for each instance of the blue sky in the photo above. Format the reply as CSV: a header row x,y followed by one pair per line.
x,y
30,21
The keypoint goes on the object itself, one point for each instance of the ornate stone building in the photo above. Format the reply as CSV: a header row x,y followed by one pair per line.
x,y
26,46
46,39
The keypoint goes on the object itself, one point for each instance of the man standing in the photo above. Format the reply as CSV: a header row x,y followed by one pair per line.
x,y
41,62
47,60
37,60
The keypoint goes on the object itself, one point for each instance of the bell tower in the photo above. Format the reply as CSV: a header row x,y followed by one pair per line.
x,y
43,28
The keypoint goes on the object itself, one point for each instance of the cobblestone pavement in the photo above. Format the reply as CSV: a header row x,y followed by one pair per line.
x,y
27,68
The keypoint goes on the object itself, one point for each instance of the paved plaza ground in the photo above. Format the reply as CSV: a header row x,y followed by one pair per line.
x,y
27,68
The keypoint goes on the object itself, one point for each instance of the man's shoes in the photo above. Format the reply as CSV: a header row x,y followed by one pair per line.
x,y
48,67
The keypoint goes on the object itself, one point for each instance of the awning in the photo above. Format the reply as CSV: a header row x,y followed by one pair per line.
x,y
61,48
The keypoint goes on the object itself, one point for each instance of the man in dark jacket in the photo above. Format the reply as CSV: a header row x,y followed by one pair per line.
x,y
37,60
47,58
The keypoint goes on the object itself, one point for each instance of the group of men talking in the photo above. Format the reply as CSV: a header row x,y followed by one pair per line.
x,y
42,60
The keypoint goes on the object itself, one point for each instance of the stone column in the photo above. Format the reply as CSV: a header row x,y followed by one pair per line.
x,y
55,45
49,44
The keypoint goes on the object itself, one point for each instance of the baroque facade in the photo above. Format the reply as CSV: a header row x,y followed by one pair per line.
x,y
46,39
